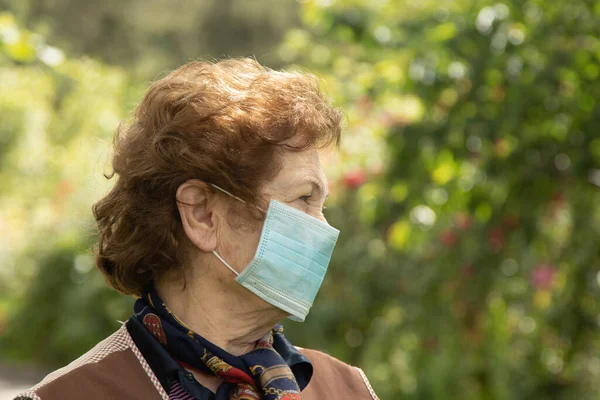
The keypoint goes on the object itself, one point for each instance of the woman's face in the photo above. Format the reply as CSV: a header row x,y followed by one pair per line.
x,y
300,183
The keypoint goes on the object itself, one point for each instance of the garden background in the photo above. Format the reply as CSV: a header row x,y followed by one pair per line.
x,y
467,188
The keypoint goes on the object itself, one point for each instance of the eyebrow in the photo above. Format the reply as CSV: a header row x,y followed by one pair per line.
x,y
316,184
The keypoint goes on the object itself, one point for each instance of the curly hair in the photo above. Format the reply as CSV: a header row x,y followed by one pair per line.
x,y
222,122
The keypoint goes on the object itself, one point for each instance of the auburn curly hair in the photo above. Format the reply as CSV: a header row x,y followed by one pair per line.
x,y
221,122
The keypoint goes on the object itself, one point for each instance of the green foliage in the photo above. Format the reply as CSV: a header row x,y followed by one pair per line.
x,y
467,267
66,308
152,36
58,117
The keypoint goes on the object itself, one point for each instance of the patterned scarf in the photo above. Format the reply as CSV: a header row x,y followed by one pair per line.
x,y
260,374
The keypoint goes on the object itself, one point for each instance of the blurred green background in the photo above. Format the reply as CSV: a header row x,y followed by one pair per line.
x,y
467,188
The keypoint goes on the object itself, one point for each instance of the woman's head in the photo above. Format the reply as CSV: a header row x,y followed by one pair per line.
x,y
252,131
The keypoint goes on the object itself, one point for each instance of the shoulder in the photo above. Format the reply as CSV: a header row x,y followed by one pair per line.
x,y
333,378
114,368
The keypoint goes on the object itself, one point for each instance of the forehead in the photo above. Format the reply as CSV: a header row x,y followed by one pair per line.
x,y
296,167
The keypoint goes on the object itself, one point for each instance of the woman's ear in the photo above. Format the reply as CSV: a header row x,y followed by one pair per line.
x,y
197,218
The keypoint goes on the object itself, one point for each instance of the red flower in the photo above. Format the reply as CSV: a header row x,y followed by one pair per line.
x,y
558,202
467,271
542,276
448,238
354,179
558,199
462,220
511,222
496,239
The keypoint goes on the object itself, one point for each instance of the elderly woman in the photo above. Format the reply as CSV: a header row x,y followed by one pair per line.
x,y
216,224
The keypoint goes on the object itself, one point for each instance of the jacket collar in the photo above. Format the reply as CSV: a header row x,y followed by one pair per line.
x,y
168,371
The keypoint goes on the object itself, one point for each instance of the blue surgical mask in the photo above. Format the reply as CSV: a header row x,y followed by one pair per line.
x,y
291,259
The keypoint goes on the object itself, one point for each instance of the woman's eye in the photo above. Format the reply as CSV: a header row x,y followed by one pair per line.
x,y
307,200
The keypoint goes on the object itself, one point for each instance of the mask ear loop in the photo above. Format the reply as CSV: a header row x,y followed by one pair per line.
x,y
227,193
232,195
225,262
243,201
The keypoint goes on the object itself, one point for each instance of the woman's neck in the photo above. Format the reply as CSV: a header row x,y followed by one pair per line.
x,y
232,318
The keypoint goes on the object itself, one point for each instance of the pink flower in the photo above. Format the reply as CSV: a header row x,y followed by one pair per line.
x,y
542,276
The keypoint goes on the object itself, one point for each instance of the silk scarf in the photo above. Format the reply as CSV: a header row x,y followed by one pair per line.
x,y
261,374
